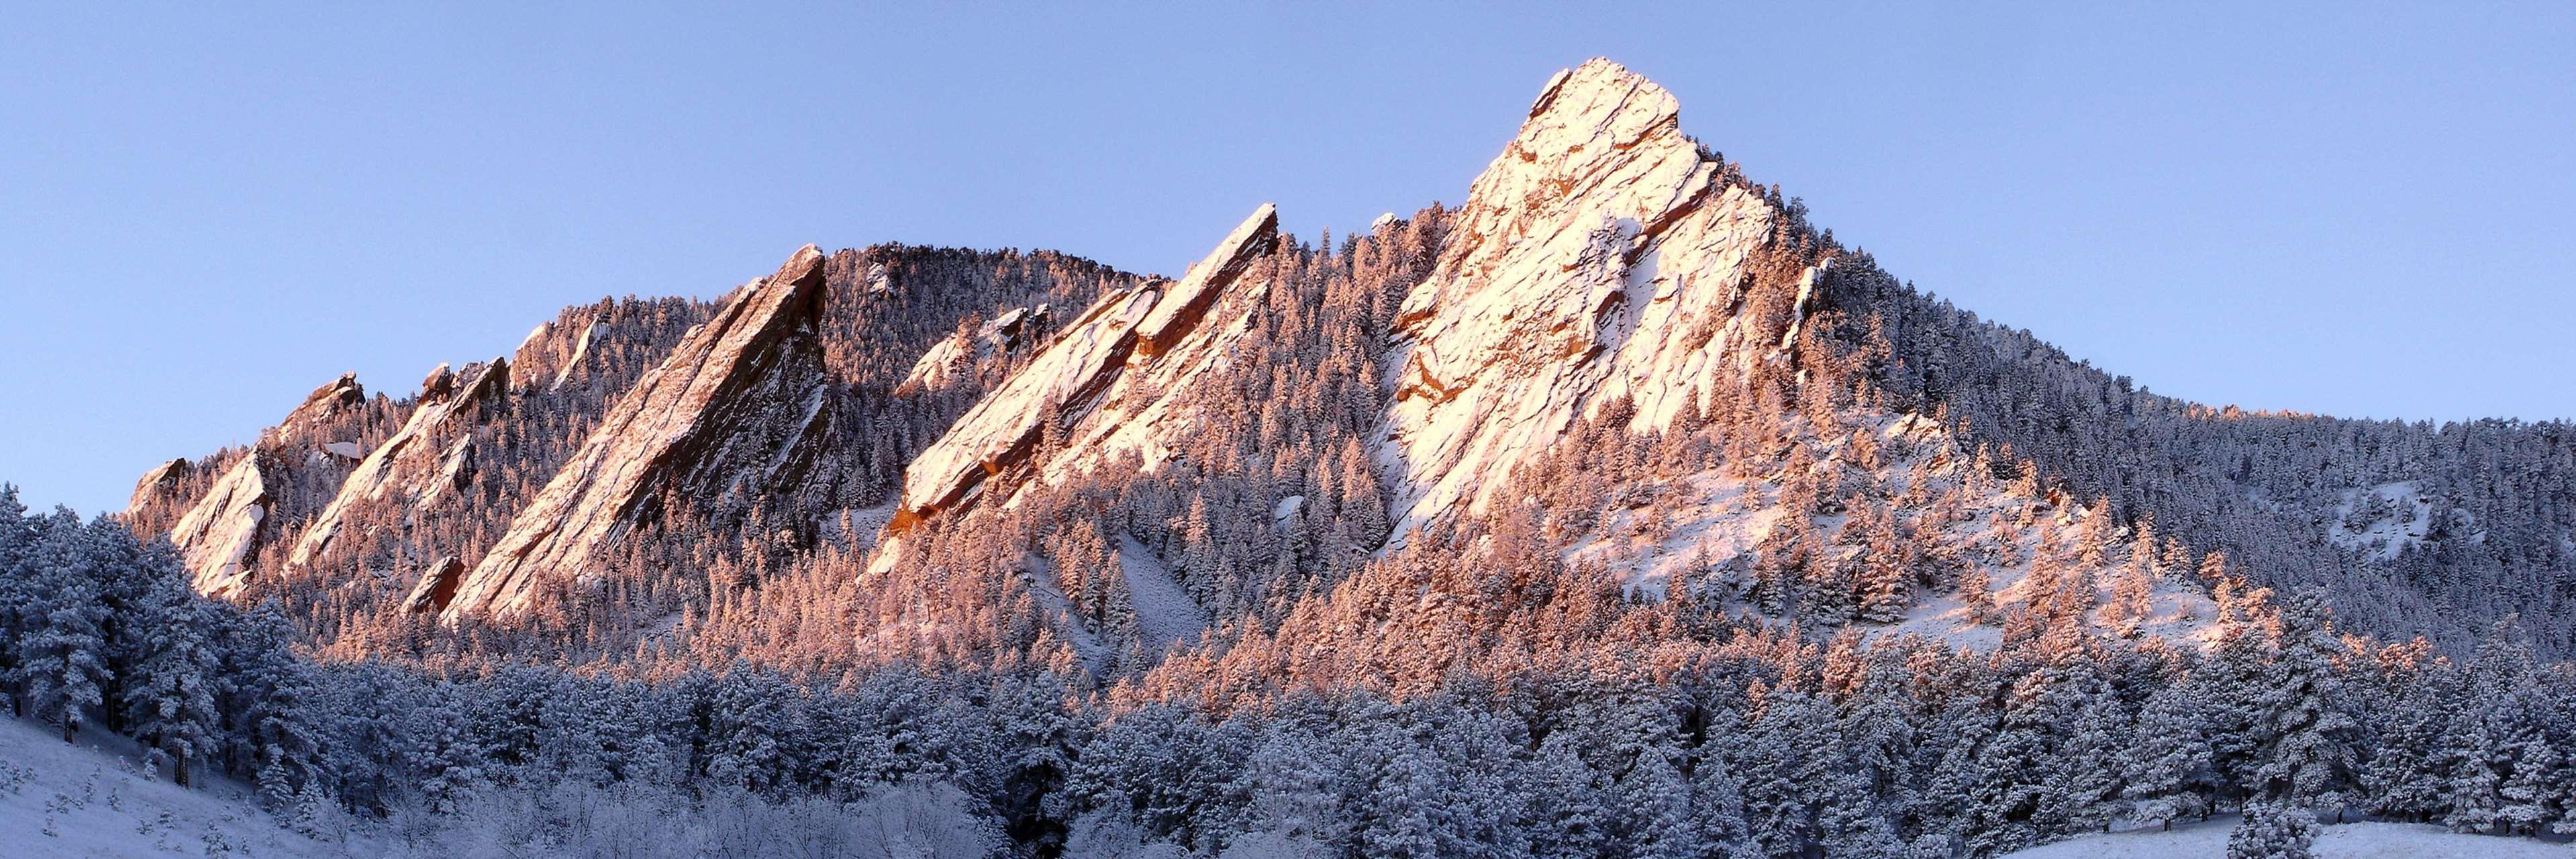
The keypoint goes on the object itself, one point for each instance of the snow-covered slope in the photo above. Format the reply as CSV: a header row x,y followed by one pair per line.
x,y
89,800
2346,841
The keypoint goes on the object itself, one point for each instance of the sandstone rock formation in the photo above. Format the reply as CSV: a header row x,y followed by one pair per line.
x,y
160,480
437,586
411,464
955,359
1600,255
325,402
736,409
1076,375
217,535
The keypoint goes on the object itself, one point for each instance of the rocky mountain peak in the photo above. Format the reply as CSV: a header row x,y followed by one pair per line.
x,y
1590,261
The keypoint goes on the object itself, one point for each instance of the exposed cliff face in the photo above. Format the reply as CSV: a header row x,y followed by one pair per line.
x,y
1131,339
734,411
217,535
1601,255
414,465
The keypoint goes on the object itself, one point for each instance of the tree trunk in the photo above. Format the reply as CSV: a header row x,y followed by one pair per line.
x,y
179,770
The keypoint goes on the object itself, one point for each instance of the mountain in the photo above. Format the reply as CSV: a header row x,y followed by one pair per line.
x,y
1283,412
1618,511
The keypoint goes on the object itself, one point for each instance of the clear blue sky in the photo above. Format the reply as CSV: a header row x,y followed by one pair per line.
x,y
206,211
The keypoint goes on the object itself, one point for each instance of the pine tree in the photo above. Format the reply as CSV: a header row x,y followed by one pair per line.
x,y
169,701
62,651
2273,832
2310,739
2170,768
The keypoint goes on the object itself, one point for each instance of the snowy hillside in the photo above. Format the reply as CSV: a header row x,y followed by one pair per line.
x,y
90,800
2348,841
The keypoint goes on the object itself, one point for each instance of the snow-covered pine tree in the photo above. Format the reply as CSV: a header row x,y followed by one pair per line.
x,y
2310,740
62,651
169,698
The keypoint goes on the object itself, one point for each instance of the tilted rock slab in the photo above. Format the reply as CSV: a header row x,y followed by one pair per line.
x,y
215,537
1601,254
409,466
1075,376
736,408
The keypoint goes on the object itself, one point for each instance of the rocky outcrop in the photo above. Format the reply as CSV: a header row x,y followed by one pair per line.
x,y
737,409
216,537
319,407
162,480
410,466
1122,341
437,586
957,358
1600,256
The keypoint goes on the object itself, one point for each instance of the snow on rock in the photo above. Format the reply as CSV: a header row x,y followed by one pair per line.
x,y
216,536
413,464
2208,840
734,410
588,336
343,449
1705,530
1145,339
1600,254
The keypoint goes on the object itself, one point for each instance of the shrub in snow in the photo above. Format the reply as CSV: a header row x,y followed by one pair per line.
x,y
2273,832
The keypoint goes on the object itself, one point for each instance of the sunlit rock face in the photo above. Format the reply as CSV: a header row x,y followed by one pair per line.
x,y
1101,382
736,410
217,535
1600,255
430,455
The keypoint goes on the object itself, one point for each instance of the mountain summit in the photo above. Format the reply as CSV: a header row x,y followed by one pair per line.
x,y
1617,352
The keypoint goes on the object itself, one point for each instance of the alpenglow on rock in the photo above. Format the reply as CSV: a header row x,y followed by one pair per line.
x,y
1069,379
1600,255
412,465
736,410
217,535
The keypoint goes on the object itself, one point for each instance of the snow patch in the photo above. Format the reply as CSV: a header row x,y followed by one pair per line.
x,y
2382,520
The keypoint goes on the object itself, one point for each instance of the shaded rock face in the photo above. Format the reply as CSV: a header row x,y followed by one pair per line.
x,y
412,466
1129,339
735,411
437,586
1600,256
216,537
161,480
